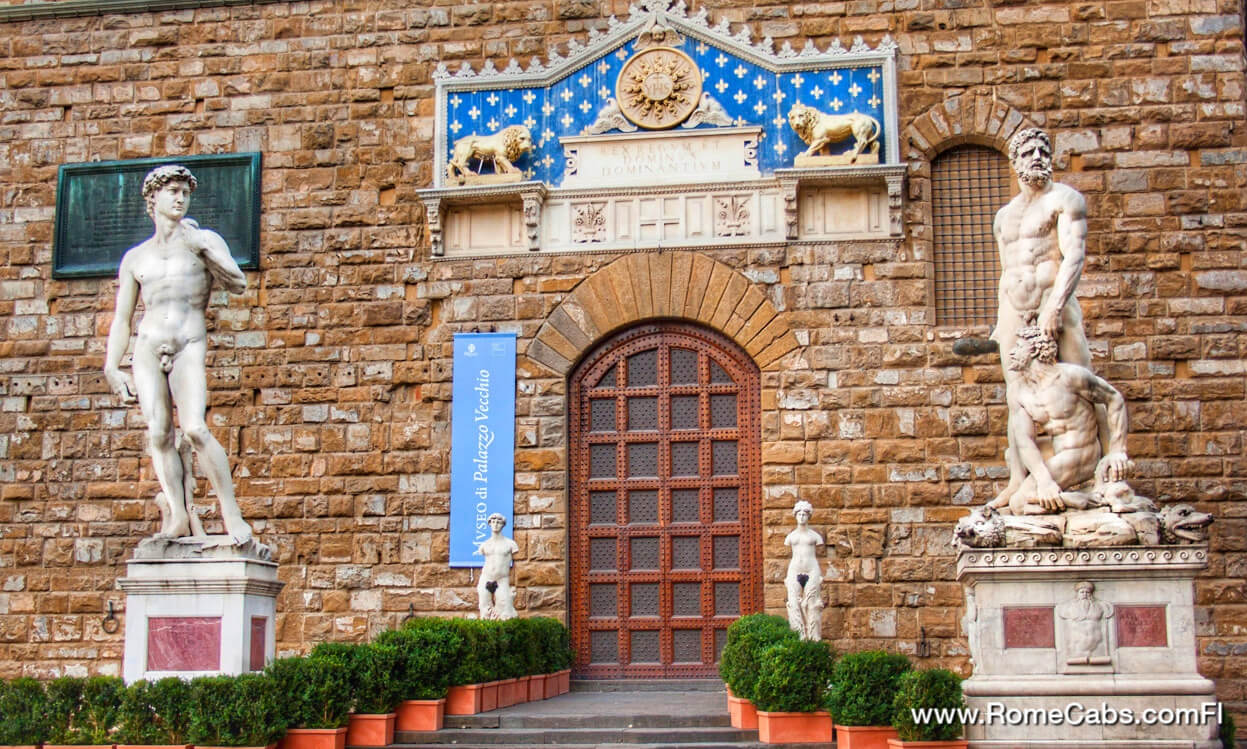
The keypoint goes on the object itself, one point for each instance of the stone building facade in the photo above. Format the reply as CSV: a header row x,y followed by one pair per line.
x,y
330,378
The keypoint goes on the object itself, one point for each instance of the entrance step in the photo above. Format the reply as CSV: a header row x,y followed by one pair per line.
x,y
602,715
647,685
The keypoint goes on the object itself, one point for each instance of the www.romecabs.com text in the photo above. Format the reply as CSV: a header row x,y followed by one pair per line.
x,y
1073,714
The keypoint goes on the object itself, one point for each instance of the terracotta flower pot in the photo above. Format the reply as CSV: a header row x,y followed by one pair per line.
x,y
536,687
144,746
508,692
954,744
794,728
367,729
565,681
311,738
489,695
522,690
81,746
464,699
420,715
864,737
743,713
200,746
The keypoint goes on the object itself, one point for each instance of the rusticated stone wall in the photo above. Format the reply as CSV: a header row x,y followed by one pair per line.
x,y
330,377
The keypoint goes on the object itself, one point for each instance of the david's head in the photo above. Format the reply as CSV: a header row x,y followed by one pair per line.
x,y
496,522
170,184
1030,153
1033,345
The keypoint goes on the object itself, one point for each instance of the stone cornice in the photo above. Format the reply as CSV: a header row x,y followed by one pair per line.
x,y
1093,561
73,8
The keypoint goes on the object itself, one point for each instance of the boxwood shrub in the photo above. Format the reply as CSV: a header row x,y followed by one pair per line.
x,y
426,657
155,712
747,637
23,712
316,692
934,689
793,676
864,687
243,710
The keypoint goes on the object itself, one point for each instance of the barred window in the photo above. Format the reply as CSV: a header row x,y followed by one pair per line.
x,y
968,185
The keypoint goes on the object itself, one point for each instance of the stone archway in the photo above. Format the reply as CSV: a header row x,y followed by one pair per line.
x,y
983,120
658,285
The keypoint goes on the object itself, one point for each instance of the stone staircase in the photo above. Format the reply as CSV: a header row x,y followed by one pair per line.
x,y
599,714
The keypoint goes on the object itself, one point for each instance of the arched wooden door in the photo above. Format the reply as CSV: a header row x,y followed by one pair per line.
x,y
665,521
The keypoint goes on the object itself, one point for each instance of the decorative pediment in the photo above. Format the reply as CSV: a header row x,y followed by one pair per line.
x,y
661,99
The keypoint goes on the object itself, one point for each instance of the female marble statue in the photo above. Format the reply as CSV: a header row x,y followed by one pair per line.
x,y
496,599
804,579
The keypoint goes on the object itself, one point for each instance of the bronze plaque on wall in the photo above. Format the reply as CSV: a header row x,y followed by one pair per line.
x,y
100,211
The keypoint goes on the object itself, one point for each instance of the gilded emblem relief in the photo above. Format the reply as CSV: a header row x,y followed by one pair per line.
x,y
658,88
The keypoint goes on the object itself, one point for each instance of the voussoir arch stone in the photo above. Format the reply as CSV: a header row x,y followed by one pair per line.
x,y
958,120
650,285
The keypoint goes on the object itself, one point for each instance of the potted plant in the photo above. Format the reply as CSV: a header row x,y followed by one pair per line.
x,y
560,645
83,712
316,696
235,711
426,657
155,713
863,688
747,638
468,689
376,691
790,691
24,704
935,689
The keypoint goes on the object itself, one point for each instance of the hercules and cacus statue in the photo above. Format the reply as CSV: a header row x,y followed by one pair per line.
x,y
1067,426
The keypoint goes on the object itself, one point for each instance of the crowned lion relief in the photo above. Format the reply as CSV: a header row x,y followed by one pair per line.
x,y
502,148
819,130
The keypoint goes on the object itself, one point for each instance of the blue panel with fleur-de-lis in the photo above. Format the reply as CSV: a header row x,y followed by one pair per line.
x,y
753,87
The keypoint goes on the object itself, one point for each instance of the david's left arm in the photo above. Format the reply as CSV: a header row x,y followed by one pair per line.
x,y
220,262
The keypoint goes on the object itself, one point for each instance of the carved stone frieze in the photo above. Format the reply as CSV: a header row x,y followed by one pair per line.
x,y
589,222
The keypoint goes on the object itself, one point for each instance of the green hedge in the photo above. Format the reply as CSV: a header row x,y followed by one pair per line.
x,y
794,676
864,687
155,712
419,661
747,638
24,708
934,689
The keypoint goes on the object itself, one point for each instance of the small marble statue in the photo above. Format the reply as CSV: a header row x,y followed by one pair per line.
x,y
173,273
1060,399
804,580
494,594
502,148
819,130
1086,620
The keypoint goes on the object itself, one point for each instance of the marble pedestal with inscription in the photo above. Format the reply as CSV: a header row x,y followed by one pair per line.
x,y
213,613
1085,648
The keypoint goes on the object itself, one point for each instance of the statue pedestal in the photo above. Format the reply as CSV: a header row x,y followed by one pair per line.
x,y
1058,663
198,613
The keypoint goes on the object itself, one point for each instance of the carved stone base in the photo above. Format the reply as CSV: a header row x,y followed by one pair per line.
x,y
213,614
1103,639
490,179
843,159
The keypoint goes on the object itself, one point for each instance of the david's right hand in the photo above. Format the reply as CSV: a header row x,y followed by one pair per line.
x,y
122,384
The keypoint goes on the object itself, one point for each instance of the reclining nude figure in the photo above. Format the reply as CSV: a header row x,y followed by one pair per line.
x,y
1060,399
172,273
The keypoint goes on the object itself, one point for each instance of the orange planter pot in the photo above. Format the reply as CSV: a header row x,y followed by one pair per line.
x,y
464,699
864,737
370,729
489,695
523,689
565,681
954,744
536,687
552,685
743,713
508,692
80,746
310,738
794,728
139,746
269,746
420,715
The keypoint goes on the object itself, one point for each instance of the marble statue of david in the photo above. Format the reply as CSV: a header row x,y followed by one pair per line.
x,y
172,272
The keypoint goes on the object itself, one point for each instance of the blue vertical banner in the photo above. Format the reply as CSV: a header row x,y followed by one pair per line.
x,y
482,440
